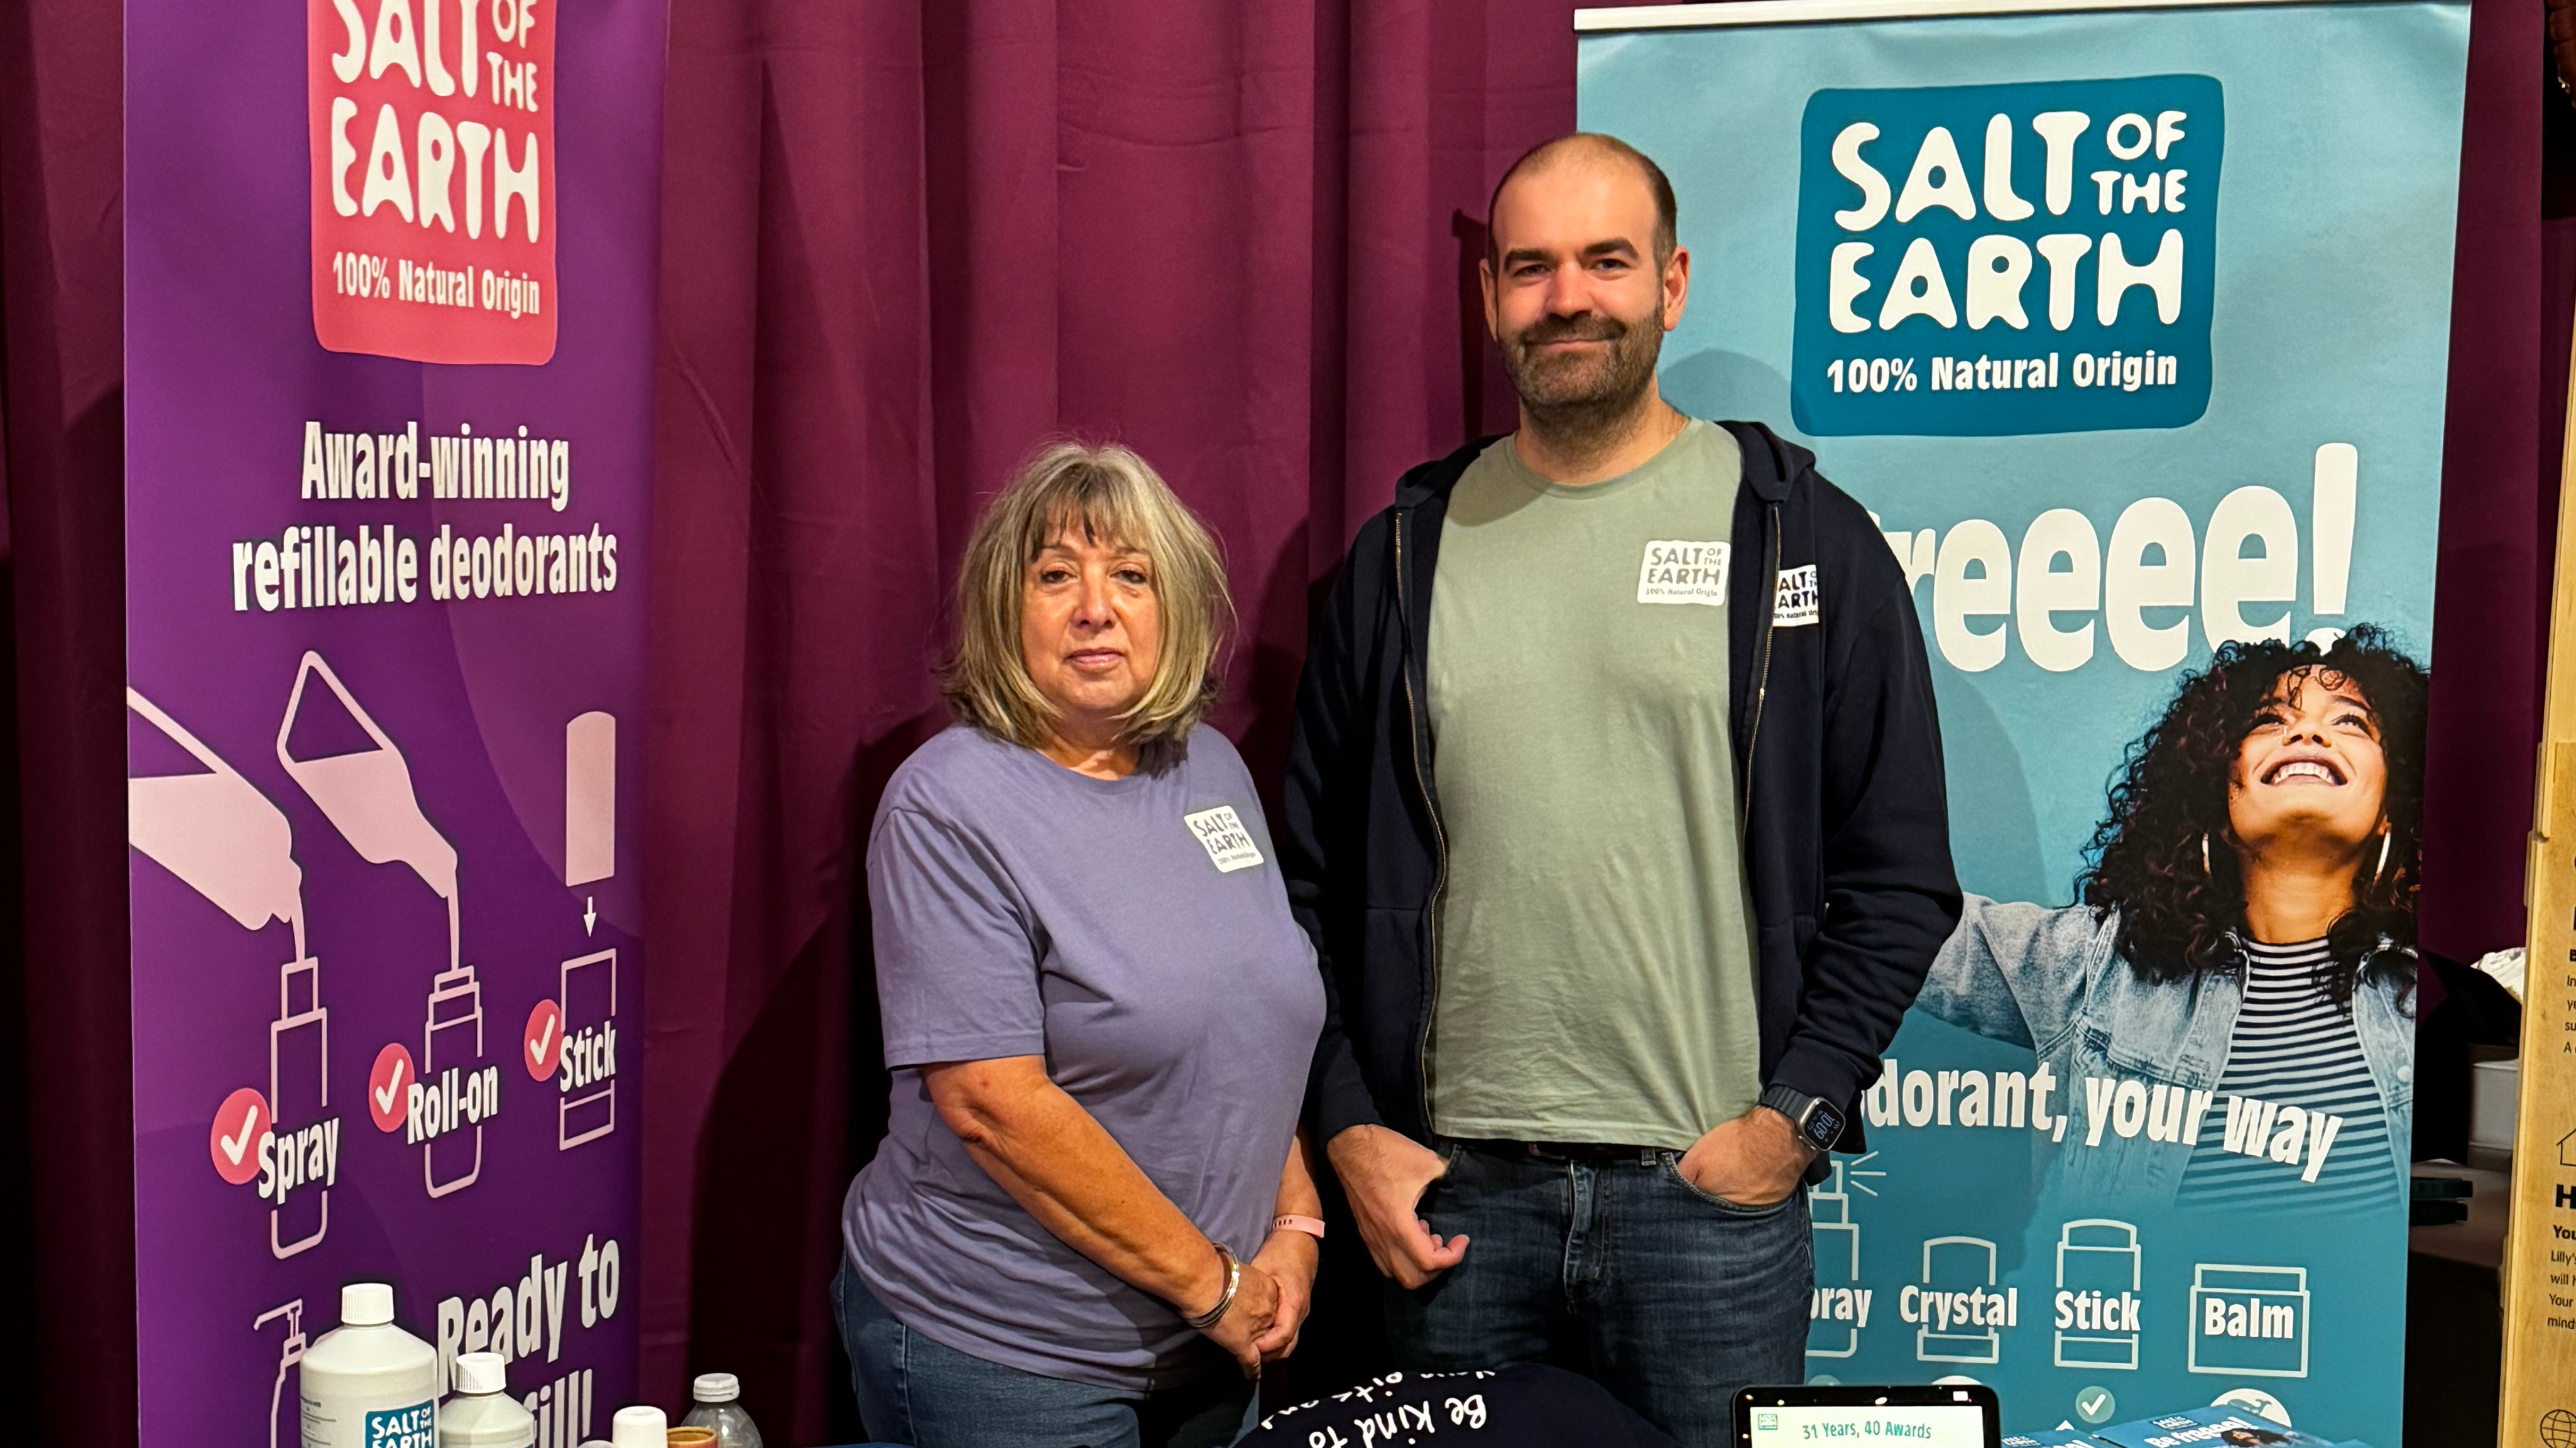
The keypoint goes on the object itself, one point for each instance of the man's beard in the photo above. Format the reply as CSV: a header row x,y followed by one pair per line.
x,y
1582,398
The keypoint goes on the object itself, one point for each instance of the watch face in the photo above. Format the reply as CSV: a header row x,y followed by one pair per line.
x,y
1824,1126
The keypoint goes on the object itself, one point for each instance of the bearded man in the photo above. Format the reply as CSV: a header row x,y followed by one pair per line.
x,y
1615,811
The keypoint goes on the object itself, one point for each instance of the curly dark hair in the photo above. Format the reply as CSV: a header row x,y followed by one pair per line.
x,y
2181,901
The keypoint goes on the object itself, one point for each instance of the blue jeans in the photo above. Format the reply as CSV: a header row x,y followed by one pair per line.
x,y
1617,1269
913,1390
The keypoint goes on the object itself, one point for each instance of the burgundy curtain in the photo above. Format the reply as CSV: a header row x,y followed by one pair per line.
x,y
2500,445
70,1235
903,243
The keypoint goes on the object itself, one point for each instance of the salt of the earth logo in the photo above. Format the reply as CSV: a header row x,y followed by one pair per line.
x,y
2029,258
1221,833
412,1427
1795,602
432,138
1678,570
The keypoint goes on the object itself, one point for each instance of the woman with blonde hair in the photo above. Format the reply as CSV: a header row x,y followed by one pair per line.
x,y
1098,1013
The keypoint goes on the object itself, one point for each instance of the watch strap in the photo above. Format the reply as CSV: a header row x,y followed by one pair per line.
x,y
1291,1222
1798,1106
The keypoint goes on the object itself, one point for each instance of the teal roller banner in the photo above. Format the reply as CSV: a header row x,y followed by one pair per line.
x,y
2130,326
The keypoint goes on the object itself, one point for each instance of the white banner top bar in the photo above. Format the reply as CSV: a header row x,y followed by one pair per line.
x,y
1785,12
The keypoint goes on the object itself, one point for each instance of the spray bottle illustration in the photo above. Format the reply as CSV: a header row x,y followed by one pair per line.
x,y
289,1354
230,843
1835,1238
368,796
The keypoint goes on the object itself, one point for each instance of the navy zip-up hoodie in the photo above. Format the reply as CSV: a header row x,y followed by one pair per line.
x,y
1838,750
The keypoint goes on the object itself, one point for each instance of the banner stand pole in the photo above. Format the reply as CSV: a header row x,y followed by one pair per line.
x,y
2537,1407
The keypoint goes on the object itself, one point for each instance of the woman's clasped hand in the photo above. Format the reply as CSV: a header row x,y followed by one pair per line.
x,y
1271,1293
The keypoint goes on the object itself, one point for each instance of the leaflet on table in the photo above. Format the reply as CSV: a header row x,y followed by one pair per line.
x,y
2218,1427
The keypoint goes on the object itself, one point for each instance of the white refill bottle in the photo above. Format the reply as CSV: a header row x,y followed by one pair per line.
x,y
639,1427
368,1383
483,1414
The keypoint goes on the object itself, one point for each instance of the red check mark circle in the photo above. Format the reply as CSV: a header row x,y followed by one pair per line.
x,y
542,1049
389,1087
234,1141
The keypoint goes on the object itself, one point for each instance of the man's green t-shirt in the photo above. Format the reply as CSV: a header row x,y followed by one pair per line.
x,y
1595,979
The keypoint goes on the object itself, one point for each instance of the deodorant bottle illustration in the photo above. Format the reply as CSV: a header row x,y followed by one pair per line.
x,y
305,1156
233,845
216,832
367,1383
451,1049
1834,1330
289,1354
367,795
586,1083
2101,1271
586,989
1953,1265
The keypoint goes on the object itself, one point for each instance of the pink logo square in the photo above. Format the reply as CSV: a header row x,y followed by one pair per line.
x,y
433,143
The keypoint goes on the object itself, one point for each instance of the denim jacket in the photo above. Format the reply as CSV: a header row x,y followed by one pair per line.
x,y
2052,980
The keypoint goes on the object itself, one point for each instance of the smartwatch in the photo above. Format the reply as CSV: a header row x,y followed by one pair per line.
x,y
1819,1122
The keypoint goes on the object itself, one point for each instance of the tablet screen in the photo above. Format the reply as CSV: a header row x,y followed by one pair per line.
x,y
1903,1420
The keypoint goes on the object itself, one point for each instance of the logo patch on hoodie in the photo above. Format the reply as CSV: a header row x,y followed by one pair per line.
x,y
1795,603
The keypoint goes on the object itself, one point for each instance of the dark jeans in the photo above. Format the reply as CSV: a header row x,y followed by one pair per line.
x,y
1621,1270
916,1391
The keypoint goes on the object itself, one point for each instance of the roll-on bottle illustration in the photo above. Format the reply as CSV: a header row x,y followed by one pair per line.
x,y
367,795
233,845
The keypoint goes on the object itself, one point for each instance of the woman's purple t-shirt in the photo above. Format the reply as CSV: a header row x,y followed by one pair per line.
x,y
1135,932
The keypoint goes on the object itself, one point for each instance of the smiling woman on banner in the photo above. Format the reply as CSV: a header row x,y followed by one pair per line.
x,y
1092,1192
2226,1015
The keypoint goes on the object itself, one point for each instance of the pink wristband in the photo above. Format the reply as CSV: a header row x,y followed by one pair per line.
x,y
1311,1226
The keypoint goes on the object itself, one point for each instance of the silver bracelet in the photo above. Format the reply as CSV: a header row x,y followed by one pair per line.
x,y
1233,1279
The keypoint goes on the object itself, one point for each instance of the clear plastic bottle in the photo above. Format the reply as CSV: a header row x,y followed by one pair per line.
x,y
716,1406
368,1383
483,1414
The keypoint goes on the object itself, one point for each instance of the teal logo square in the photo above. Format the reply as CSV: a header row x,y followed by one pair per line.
x,y
412,1427
2007,259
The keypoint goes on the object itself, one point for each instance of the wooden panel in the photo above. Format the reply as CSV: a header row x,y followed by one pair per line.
x,y
2539,1278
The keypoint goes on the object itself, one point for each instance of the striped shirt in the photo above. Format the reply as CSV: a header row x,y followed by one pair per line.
x,y
2295,1072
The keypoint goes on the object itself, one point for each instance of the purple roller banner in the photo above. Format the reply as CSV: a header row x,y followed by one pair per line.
x,y
389,335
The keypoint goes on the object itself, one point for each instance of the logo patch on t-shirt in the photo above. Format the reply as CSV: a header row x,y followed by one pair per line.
x,y
1677,570
1796,602
1228,843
